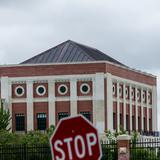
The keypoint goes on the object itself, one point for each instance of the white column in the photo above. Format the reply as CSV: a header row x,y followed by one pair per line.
x,y
142,112
51,102
130,104
109,100
147,102
98,102
30,119
124,105
136,100
73,97
118,120
154,109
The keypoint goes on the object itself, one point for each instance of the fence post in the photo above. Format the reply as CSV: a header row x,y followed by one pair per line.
x,y
123,147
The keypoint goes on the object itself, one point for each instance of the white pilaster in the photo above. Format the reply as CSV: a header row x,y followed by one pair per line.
x,y
124,105
51,102
5,89
29,105
73,96
142,110
154,109
118,108
98,102
136,100
109,100
147,102
130,104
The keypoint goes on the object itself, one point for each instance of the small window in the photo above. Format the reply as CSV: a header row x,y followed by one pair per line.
x,y
62,89
20,122
62,115
138,95
120,91
41,121
85,88
127,92
150,98
144,96
132,93
19,91
87,115
114,89
41,90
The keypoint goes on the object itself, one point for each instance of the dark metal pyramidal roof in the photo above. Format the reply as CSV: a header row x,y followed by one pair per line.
x,y
70,51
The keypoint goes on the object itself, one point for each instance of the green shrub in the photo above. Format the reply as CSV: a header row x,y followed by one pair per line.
x,y
146,154
30,138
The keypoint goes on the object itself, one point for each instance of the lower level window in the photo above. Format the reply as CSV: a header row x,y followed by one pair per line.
x,y
20,122
133,123
114,120
127,122
150,124
144,124
41,121
121,120
87,115
139,123
62,115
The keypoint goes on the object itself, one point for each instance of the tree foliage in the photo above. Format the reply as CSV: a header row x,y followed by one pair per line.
x,y
4,119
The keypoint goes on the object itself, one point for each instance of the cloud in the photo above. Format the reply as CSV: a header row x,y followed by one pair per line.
x,y
126,30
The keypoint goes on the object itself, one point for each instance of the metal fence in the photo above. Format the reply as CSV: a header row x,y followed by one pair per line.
x,y
23,152
109,150
145,149
42,152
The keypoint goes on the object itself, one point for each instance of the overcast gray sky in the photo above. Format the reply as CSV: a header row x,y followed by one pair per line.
x,y
127,30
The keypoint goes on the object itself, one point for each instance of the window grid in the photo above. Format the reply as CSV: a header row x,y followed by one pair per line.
x,y
62,115
87,115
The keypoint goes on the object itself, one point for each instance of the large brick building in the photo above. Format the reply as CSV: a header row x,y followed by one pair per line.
x,y
72,79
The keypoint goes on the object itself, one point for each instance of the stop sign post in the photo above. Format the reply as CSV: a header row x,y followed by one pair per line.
x,y
75,138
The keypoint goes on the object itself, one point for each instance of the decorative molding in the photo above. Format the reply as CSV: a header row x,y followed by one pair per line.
x,y
18,82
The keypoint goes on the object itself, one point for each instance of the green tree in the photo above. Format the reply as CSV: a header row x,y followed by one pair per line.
x,y
4,119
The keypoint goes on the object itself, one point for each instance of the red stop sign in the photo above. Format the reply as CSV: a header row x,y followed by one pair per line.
x,y
75,139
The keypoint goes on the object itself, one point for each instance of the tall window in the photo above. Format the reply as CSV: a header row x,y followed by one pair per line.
x,y
41,121
20,122
121,120
127,122
87,115
144,124
139,123
114,120
133,123
150,124
62,115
